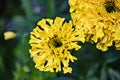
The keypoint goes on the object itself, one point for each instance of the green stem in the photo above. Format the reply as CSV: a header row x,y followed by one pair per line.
x,y
51,9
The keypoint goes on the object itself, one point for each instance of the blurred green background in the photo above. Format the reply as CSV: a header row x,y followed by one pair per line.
x,y
21,16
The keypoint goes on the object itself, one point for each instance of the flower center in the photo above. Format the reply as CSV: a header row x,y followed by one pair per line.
x,y
110,6
56,43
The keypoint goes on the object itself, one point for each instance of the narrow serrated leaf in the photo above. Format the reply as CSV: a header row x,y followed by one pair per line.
x,y
92,70
103,74
114,73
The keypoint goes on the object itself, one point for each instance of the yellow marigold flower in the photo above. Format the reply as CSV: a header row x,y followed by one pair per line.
x,y
9,35
50,44
109,13
98,21
109,9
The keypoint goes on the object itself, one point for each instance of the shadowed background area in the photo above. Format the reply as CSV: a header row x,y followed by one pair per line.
x,y
20,17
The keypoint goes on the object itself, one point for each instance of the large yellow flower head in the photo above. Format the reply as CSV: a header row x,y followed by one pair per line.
x,y
109,12
51,42
99,20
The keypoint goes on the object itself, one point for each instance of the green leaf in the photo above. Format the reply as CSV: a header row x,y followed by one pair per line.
x,y
1,25
110,60
111,57
18,24
27,6
103,75
92,70
114,74
63,6
51,8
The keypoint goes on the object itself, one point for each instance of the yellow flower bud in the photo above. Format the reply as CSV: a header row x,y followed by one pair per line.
x,y
9,35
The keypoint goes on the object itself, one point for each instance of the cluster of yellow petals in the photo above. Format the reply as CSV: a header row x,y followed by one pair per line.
x,y
98,20
51,42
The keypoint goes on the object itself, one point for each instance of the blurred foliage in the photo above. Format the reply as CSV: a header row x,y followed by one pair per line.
x,y
21,16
